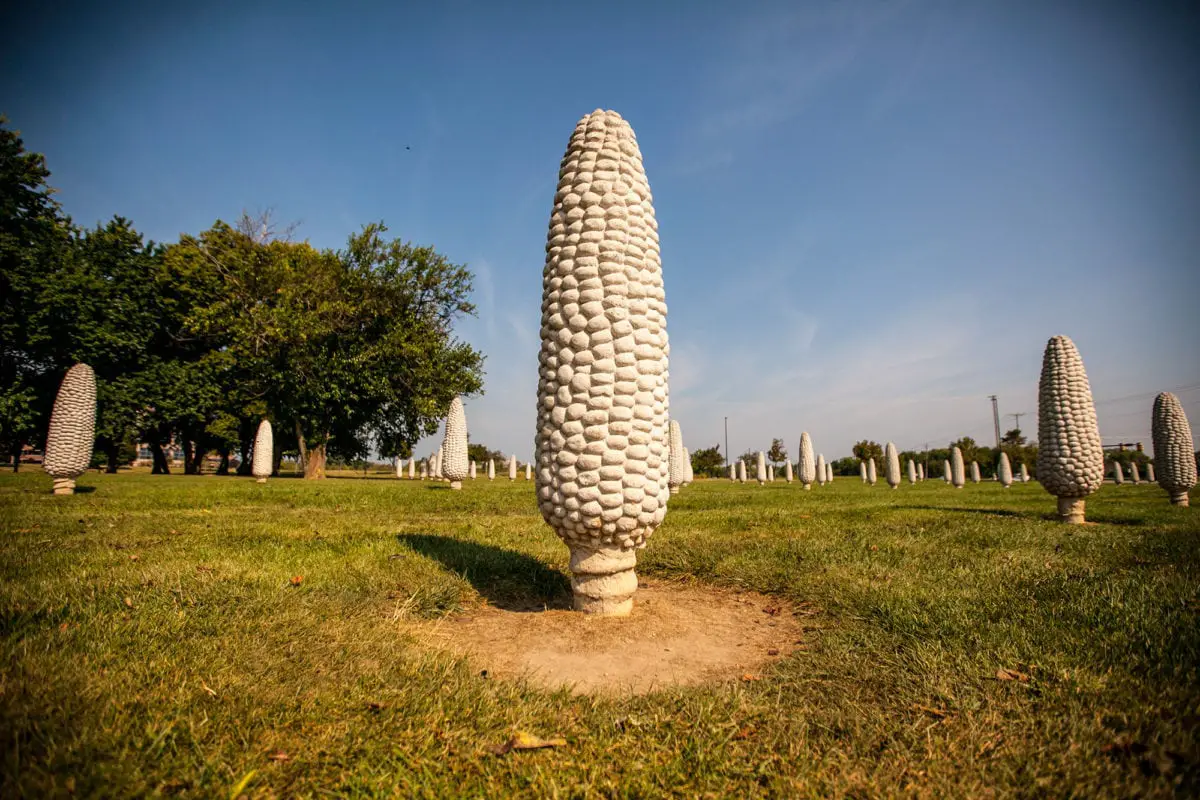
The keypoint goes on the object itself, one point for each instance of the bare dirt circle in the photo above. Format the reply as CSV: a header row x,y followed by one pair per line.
x,y
675,635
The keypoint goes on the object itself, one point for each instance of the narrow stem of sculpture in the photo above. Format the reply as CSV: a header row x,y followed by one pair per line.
x,y
1070,509
260,480
674,490
67,486
1180,499
455,484
603,580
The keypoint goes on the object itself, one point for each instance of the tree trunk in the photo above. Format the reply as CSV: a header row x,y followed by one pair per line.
x,y
302,458
195,464
17,447
244,465
187,455
161,467
314,465
113,451
276,460
223,467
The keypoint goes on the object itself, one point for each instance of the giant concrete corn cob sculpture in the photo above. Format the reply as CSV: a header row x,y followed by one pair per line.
x,y
512,467
872,476
760,472
946,471
911,471
1118,473
920,472
828,473
732,472
806,466
1150,471
455,464
1024,473
1135,476
822,473
471,470
72,429
491,469
975,477
1004,471
770,472
1070,462
687,467
741,471
412,467
675,457
528,471
957,476
602,434
1174,459
264,452
862,470
787,471
891,465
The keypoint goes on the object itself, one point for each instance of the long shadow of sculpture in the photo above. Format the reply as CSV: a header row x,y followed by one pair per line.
x,y
1097,517
508,579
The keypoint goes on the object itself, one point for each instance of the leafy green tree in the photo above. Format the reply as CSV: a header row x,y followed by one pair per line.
x,y
708,461
778,452
1013,438
868,449
480,453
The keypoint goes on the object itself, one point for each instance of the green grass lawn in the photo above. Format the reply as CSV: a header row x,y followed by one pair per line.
x,y
154,643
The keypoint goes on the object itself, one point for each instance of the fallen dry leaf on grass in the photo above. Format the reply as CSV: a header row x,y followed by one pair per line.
x,y
129,602
771,611
524,741
1011,675
749,678
297,580
279,755
940,713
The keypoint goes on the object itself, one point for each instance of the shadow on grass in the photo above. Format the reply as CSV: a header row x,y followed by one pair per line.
x,y
509,580
991,512
1099,518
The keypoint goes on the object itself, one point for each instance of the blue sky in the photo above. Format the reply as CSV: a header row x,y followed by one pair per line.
x,y
872,214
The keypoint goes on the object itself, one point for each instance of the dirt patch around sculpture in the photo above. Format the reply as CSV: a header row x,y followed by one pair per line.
x,y
676,635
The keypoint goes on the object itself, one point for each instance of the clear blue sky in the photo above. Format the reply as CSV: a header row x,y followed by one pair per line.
x,y
872,214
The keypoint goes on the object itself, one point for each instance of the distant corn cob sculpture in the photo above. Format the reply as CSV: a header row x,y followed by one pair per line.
x,y
946,471
528,471
1174,459
732,472
787,471
687,467
412,467
920,472
1135,475
1004,471
491,469
455,464
806,465
1118,473
72,429
871,474
975,477
822,473
675,457
891,465
911,470
828,473
862,470
760,472
263,461
770,473
741,471
471,470
1070,461
1024,473
512,468
957,471
1150,472
602,440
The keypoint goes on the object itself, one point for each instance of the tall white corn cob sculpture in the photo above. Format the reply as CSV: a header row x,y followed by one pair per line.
x,y
975,478
399,467
1004,471
512,467
760,472
1150,472
455,464
806,465
263,458
787,471
424,470
957,472
1174,459
412,467
862,470
675,459
732,472
871,474
741,471
770,473
891,465
1024,473
911,469
920,472
1070,461
528,471
822,472
1118,473
1135,475
491,469
687,467
471,470
72,429
828,473
602,434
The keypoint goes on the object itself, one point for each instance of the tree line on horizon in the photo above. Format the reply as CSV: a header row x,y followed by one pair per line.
x,y
346,351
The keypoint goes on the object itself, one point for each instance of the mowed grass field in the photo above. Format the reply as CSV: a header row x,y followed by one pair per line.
x,y
209,637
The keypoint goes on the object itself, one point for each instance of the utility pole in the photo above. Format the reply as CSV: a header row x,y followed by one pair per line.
x,y
1017,418
727,441
995,418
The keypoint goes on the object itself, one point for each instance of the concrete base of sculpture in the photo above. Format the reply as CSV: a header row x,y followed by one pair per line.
x,y
603,581
674,490
1180,499
67,486
1070,510
260,480
808,487
762,483
455,484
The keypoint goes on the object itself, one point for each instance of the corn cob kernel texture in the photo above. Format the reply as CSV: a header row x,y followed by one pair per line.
x,y
455,464
601,443
1174,459
688,474
72,430
1070,461
675,459
264,452
891,465
787,472
806,465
